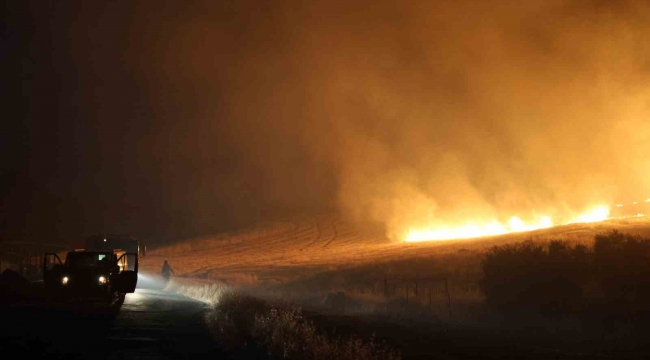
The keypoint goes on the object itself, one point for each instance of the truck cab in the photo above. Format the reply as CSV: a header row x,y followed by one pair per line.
x,y
125,242
91,274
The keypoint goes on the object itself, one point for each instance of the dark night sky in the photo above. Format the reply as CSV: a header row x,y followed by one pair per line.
x,y
96,139
170,119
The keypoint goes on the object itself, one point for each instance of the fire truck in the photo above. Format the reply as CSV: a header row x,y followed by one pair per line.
x,y
106,269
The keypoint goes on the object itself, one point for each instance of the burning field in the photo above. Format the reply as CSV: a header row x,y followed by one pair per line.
x,y
284,252
351,276
336,146
515,224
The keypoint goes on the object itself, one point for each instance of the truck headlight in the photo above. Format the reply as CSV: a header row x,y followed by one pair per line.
x,y
102,280
64,280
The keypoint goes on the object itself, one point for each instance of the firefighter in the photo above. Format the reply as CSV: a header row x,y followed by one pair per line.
x,y
167,272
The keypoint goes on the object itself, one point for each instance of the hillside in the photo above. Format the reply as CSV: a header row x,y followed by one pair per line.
x,y
283,252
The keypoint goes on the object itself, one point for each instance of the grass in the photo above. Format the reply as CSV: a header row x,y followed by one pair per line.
x,y
306,260
247,324
282,253
302,263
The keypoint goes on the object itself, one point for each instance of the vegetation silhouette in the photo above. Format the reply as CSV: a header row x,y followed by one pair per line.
x,y
612,277
621,268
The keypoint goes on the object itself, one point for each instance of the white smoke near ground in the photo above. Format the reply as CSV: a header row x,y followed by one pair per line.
x,y
208,293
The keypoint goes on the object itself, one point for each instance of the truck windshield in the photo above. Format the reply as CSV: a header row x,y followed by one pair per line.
x,y
88,259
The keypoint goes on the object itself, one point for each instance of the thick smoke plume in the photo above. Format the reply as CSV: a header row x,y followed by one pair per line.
x,y
415,113
194,117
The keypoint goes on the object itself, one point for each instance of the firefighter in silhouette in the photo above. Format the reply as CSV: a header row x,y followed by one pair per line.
x,y
167,272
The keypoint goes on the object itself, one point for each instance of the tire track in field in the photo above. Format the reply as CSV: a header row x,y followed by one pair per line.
x,y
333,236
319,234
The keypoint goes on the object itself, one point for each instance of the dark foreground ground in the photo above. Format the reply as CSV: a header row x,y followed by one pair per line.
x,y
526,340
157,324
151,324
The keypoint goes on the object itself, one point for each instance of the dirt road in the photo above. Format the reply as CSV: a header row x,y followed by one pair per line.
x,y
151,324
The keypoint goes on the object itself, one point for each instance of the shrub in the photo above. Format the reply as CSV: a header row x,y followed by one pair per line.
x,y
233,317
551,278
526,276
622,270
245,324
287,335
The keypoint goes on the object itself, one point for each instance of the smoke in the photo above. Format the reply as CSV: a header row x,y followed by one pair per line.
x,y
409,113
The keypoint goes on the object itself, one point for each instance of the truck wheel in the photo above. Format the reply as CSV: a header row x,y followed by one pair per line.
x,y
120,299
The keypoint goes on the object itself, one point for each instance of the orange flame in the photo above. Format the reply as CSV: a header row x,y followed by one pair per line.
x,y
598,214
493,228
